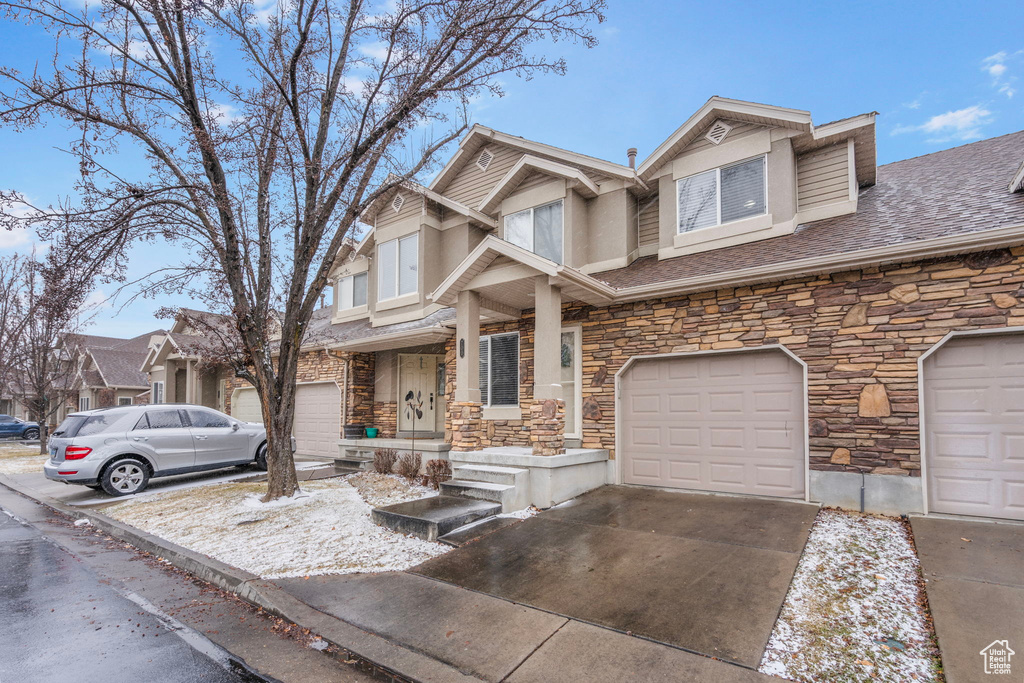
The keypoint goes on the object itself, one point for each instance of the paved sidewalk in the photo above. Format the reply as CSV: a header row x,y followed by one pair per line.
x,y
975,584
421,629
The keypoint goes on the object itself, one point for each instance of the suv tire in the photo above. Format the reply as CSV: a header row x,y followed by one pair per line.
x,y
124,476
261,457
30,434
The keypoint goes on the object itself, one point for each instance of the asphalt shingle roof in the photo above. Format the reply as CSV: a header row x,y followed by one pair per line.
x,y
956,191
120,368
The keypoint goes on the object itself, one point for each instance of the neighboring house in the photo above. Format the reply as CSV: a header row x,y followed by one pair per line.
x,y
10,405
182,364
754,308
105,371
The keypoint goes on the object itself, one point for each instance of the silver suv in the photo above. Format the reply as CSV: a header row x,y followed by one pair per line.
x,y
120,449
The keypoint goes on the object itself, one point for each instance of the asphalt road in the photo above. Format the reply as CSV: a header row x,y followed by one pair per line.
x,y
59,622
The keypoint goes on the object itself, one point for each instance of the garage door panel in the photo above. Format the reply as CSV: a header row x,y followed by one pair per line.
x,y
974,418
729,422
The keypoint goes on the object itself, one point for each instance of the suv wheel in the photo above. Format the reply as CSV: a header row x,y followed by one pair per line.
x,y
31,434
261,457
124,477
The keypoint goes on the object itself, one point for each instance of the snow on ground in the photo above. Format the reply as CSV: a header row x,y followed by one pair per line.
x,y
16,458
328,531
387,489
853,611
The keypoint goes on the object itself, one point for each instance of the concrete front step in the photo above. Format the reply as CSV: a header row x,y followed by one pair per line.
x,y
509,497
359,464
471,532
494,474
430,518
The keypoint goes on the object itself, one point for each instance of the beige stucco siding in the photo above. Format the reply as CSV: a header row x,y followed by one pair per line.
x,y
823,177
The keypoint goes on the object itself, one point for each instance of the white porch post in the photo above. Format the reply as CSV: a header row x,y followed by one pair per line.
x,y
547,340
190,381
467,348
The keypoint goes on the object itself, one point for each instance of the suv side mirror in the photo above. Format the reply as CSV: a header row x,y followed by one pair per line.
x,y
234,426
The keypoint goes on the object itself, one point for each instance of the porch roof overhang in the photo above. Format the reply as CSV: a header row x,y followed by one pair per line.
x,y
424,336
502,273
575,179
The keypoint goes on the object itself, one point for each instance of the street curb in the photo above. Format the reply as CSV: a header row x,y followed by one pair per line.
x,y
388,657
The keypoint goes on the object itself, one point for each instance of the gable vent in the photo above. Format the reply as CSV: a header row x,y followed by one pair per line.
x,y
485,159
397,203
718,131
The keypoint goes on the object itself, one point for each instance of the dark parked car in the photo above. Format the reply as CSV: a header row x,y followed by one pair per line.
x,y
12,427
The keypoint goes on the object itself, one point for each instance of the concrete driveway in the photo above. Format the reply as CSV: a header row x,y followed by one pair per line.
x,y
974,573
704,573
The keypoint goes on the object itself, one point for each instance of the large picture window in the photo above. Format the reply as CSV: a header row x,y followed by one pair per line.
x,y
499,369
538,229
398,267
722,195
352,291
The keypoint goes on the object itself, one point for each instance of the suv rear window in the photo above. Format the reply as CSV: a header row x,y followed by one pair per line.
x,y
70,426
79,425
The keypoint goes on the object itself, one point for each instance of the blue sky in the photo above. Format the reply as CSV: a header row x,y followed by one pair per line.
x,y
937,74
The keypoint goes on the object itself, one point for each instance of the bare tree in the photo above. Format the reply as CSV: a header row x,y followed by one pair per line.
x,y
12,318
263,156
52,296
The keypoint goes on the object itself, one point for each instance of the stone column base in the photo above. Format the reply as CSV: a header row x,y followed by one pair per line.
x,y
547,426
466,426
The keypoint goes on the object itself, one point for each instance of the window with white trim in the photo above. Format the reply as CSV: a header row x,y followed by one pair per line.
x,y
537,229
158,392
124,400
83,403
352,291
398,267
499,369
722,195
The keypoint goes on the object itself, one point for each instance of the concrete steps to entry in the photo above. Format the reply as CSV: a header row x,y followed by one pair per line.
x,y
354,463
508,486
431,518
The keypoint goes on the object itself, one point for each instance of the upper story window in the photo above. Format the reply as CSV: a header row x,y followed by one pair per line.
x,y
499,369
722,195
397,267
538,229
352,291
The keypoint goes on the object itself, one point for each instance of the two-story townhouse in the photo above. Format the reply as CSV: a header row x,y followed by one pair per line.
x,y
755,308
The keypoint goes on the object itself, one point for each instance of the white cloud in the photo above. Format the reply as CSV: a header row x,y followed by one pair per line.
x,y
12,239
961,125
18,237
96,301
998,68
224,114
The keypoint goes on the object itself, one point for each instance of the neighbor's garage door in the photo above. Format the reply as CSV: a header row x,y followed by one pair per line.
x,y
729,422
974,422
317,425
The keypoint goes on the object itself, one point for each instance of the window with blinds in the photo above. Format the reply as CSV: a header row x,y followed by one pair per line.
x,y
397,267
499,369
538,229
352,291
722,195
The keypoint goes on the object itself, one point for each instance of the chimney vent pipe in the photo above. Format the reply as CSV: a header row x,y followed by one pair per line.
x,y
631,154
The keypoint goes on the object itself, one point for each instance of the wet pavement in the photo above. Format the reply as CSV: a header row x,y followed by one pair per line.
x,y
61,623
974,578
700,572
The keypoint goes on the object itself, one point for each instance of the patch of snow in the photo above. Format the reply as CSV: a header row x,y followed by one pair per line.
x,y
380,490
298,498
82,522
853,611
330,532
19,459
525,513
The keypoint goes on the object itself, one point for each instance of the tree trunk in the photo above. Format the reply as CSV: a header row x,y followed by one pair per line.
x,y
44,435
278,403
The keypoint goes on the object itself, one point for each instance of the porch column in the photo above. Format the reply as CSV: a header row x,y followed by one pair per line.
x,y
465,410
190,381
547,411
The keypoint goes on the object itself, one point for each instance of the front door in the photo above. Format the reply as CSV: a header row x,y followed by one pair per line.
x,y
417,392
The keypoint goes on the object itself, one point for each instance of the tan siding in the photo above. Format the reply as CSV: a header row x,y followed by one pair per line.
x,y
823,177
471,184
412,207
649,225
532,181
739,130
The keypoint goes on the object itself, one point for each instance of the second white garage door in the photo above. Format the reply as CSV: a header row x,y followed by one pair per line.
x,y
317,425
974,420
728,422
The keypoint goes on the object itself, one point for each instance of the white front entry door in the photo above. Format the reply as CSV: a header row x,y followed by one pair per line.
x,y
418,401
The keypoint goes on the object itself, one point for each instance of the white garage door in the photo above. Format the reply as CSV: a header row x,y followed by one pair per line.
x,y
317,425
974,422
729,422
245,405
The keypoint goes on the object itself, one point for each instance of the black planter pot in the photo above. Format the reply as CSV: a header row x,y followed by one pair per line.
x,y
354,431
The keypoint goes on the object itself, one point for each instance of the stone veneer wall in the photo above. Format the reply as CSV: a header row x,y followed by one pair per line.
x,y
860,333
